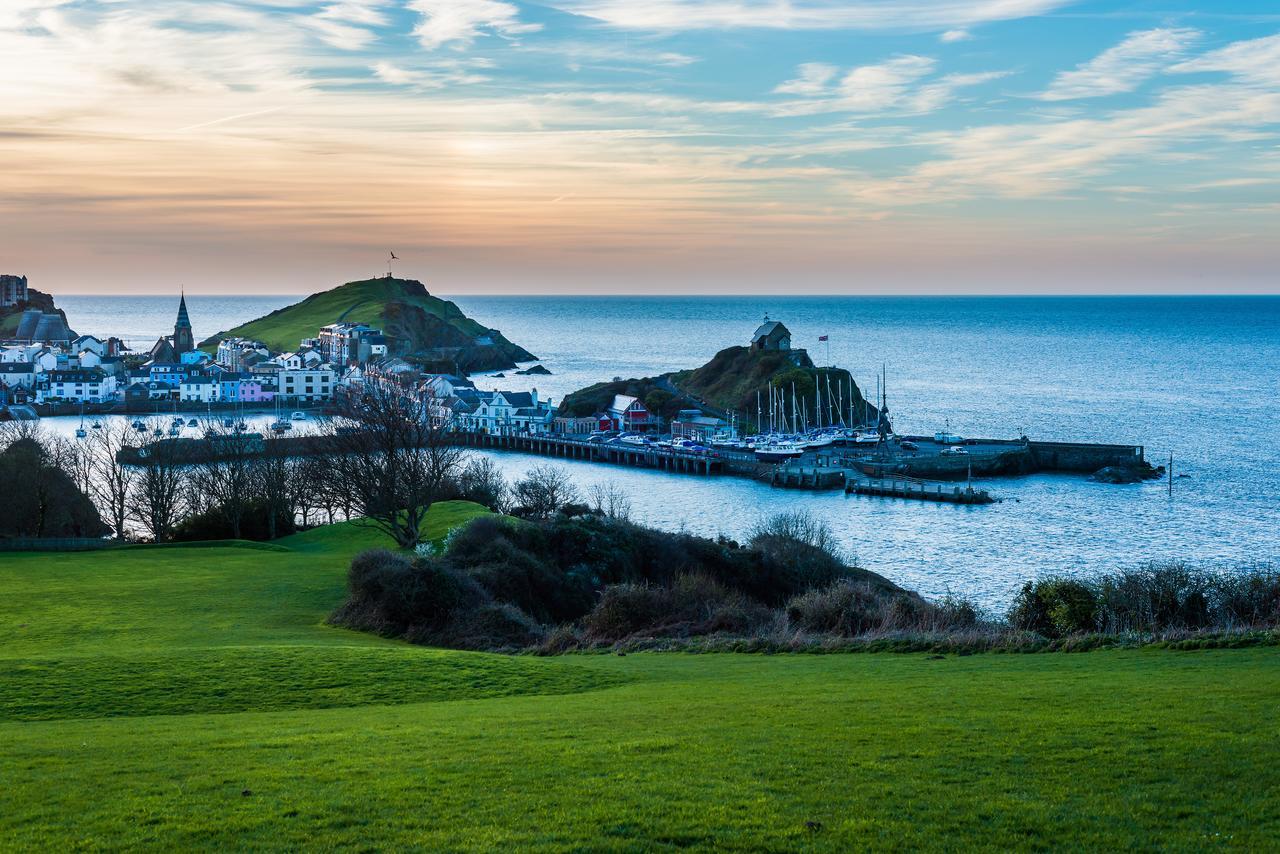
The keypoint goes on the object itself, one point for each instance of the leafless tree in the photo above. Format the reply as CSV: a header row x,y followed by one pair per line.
x,y
160,493
609,499
543,491
481,481
224,481
110,481
391,458
277,485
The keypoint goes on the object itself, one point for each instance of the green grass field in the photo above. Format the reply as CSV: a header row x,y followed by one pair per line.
x,y
192,697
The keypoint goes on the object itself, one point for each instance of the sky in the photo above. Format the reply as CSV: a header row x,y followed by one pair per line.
x,y
642,146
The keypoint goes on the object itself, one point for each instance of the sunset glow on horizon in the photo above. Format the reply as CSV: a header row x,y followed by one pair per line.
x,y
669,146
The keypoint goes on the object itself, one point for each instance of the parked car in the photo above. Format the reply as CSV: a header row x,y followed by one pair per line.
x,y
955,451
908,445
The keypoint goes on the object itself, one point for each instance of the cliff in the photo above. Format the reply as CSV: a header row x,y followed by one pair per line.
x,y
10,316
416,323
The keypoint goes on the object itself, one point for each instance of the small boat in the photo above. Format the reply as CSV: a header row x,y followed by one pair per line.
x,y
866,437
138,425
175,430
241,426
281,426
227,422
97,425
192,423
299,416
178,420
158,433
778,452
81,432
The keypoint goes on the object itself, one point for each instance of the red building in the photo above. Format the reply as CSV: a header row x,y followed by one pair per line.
x,y
628,413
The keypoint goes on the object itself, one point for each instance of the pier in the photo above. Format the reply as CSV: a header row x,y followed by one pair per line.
x,y
918,490
645,456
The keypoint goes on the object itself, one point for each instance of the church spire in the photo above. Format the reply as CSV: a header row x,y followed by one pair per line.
x,y
183,320
183,339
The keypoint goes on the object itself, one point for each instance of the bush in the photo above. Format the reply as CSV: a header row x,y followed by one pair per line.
x,y
1055,608
492,626
212,524
625,609
844,608
391,593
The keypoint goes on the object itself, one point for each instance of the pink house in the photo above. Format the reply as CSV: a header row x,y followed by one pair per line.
x,y
252,391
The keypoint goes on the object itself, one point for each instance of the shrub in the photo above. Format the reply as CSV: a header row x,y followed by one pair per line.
x,y
212,524
1055,607
392,593
492,626
844,608
625,609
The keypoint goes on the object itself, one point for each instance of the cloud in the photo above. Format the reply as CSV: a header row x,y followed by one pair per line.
x,y
1124,67
445,21
898,85
1254,61
1051,158
811,79
803,14
955,36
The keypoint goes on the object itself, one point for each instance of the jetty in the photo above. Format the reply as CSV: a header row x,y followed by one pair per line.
x,y
620,453
919,490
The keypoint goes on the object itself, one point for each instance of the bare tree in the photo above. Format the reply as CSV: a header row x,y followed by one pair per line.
x,y
481,481
159,494
543,491
224,480
110,481
392,458
609,499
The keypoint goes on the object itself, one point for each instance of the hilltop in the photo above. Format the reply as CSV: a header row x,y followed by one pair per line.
x,y
416,323
727,383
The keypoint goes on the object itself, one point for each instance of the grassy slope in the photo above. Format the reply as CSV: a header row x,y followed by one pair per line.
x,y
199,689
358,302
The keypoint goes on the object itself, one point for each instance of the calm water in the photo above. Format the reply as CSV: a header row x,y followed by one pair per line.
x,y
1196,376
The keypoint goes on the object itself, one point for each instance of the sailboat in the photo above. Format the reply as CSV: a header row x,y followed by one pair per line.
x,y
80,431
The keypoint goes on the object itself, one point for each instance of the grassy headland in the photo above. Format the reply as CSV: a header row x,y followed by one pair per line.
x,y
415,321
192,696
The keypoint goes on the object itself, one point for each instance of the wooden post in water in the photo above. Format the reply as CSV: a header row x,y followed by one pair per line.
x,y
1171,474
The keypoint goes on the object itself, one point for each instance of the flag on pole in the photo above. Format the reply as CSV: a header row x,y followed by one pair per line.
x,y
822,337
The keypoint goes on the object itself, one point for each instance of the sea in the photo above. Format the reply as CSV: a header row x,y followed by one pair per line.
x,y
1192,378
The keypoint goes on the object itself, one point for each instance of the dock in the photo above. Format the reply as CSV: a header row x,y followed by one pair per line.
x,y
918,490
644,456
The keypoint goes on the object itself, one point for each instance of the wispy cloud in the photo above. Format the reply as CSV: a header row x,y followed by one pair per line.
x,y
1124,67
951,36
902,84
804,14
462,21
1255,61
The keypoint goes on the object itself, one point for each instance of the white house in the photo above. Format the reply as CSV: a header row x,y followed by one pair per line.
x,y
308,385
506,412
89,385
89,358
199,389
89,342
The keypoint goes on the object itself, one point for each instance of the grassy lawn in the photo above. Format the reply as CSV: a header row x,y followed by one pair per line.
x,y
193,698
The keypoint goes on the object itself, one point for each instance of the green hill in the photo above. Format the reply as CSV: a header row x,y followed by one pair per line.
x,y
184,697
416,323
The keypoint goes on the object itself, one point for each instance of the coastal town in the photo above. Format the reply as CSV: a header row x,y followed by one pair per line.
x,y
825,435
